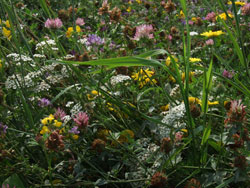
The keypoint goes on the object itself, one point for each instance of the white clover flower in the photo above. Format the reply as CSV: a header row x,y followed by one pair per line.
x,y
193,33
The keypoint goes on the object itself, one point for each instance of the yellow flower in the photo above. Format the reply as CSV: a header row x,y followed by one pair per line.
x,y
194,100
172,79
94,92
44,130
7,33
0,21
168,60
192,60
57,123
78,29
143,77
62,130
7,23
237,3
130,2
47,120
1,64
165,108
212,33
69,32
224,16
181,14
75,136
194,19
93,95
129,9
183,76
138,1
212,103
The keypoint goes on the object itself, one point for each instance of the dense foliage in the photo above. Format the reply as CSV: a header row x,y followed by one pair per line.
x,y
131,93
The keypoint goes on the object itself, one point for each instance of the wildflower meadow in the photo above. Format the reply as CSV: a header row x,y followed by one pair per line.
x,y
124,93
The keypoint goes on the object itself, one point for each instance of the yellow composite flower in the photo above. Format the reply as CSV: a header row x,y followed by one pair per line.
x,y
224,16
7,33
193,60
194,100
44,130
138,1
212,103
168,60
212,33
236,3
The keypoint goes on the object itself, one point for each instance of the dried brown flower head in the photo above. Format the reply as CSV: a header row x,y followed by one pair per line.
x,y
166,145
105,8
63,14
195,110
55,141
158,180
115,14
198,21
170,6
240,162
98,145
193,183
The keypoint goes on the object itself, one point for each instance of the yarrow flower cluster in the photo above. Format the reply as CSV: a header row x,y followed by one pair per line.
x,y
53,23
119,78
144,31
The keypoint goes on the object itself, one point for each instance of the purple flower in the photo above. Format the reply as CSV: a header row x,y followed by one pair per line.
x,y
228,74
44,102
144,31
211,17
59,114
80,21
53,23
81,119
210,42
94,40
3,128
74,130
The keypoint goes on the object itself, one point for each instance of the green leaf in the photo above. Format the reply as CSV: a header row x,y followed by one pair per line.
x,y
14,180
116,62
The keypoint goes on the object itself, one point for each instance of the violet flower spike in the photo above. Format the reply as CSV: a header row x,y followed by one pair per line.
x,y
74,130
44,102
